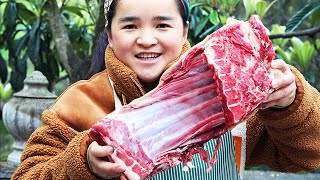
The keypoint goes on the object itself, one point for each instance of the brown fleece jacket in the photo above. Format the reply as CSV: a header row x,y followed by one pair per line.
x,y
284,139
287,139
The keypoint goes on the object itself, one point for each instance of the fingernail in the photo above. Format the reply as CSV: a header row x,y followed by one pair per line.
x,y
121,168
109,149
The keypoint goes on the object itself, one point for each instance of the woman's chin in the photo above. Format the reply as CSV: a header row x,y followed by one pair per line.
x,y
149,77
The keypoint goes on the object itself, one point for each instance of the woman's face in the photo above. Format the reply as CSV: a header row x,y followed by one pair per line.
x,y
147,35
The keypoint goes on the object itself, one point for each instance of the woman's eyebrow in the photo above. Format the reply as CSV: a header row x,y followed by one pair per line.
x,y
128,19
135,18
163,18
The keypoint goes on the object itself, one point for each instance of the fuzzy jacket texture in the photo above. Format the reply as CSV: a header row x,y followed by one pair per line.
x,y
285,139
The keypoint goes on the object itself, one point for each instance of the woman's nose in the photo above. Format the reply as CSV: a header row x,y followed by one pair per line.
x,y
147,38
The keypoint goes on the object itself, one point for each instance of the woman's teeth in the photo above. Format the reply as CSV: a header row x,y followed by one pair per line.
x,y
147,56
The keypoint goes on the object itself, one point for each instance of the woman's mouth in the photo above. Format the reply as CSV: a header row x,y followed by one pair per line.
x,y
148,56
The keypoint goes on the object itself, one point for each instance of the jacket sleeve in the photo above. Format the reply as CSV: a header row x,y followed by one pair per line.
x,y
54,151
287,139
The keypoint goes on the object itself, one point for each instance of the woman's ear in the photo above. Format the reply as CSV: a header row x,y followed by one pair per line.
x,y
185,32
109,38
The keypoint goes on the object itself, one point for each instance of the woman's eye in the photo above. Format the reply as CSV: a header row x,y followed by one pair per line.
x,y
129,26
163,25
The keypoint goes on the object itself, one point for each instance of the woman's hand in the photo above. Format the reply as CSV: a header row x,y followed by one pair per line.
x,y
96,156
284,86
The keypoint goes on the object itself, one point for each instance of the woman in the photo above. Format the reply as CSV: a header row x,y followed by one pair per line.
x,y
145,38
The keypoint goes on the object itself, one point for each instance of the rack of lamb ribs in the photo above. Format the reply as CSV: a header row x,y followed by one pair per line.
x,y
216,85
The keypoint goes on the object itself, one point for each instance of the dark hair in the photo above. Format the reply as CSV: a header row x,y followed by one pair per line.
x,y
98,57
114,4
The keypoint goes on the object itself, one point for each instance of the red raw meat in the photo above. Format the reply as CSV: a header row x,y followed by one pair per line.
x,y
219,83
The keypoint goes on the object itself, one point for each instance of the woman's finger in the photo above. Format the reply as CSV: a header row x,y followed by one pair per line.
x,y
280,98
279,64
98,163
283,81
100,151
109,169
285,92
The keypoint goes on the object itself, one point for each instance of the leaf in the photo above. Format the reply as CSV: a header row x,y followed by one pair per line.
x,y
16,80
74,9
234,3
192,22
277,29
27,3
261,7
9,23
284,55
52,63
249,6
1,91
209,31
214,17
297,19
25,14
11,14
21,43
7,91
224,18
311,77
315,18
292,54
318,43
297,45
297,42
200,26
22,64
198,4
34,44
3,70
2,11
307,51
304,51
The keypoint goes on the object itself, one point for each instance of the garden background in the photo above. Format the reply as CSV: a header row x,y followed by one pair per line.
x,y
57,38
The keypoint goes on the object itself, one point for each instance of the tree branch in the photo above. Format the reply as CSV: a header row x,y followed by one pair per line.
x,y
307,32
100,23
68,57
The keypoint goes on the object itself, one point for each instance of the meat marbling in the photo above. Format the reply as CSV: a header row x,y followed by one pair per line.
x,y
217,84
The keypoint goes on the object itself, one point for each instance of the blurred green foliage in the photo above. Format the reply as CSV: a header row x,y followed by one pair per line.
x,y
6,141
26,41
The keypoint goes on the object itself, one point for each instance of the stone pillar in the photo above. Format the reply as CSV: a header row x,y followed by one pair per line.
x,y
22,113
